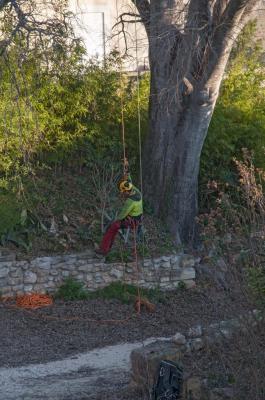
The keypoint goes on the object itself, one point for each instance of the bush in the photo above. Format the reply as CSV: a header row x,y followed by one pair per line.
x,y
256,278
72,290
239,116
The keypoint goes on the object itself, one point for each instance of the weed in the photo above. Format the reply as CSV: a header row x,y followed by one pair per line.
x,y
256,280
182,285
72,290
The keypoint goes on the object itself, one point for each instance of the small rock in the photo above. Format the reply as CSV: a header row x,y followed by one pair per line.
x,y
53,228
190,284
196,344
165,258
187,274
65,219
7,258
175,261
30,277
147,263
3,272
187,261
193,389
28,288
179,339
116,273
165,279
42,262
194,332
222,394
146,360
166,264
14,281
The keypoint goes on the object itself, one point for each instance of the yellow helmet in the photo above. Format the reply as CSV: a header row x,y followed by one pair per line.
x,y
125,186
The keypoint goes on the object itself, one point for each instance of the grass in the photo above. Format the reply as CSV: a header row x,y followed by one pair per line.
x,y
74,290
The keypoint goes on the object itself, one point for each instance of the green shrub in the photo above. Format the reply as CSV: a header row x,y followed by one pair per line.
x,y
256,279
10,211
72,290
182,285
239,116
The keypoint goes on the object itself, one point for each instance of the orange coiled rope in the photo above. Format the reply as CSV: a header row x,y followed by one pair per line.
x,y
34,300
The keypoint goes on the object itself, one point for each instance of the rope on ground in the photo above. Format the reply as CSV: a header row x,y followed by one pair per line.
x,y
33,301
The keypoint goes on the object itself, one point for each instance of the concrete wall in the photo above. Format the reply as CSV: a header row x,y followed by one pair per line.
x,y
95,21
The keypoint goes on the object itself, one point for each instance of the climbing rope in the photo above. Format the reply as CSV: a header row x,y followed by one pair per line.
x,y
121,99
149,306
34,301
125,164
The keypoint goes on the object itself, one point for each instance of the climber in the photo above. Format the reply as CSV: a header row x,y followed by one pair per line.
x,y
129,216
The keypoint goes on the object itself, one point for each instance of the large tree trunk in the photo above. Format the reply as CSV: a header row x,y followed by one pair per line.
x,y
189,46
172,158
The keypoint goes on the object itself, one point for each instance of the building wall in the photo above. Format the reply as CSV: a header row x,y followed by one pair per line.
x,y
95,22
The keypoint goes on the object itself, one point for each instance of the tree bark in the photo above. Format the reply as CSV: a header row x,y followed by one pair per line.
x,y
189,46
172,159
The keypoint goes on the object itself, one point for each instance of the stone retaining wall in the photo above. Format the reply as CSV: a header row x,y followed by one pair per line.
x,y
46,274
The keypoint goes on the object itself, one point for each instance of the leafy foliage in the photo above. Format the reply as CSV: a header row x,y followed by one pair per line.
x,y
257,283
239,117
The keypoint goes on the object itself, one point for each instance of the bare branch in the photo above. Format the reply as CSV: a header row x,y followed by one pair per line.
x,y
28,21
3,3
122,21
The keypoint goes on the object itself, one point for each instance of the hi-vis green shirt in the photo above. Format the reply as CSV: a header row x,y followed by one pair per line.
x,y
133,206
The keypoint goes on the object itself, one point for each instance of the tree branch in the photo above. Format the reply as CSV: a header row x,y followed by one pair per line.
x,y
224,35
143,7
29,22
123,21
3,3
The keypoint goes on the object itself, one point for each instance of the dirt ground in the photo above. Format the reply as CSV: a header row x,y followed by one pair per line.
x,y
43,335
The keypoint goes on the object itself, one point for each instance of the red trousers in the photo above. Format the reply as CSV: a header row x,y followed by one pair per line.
x,y
109,237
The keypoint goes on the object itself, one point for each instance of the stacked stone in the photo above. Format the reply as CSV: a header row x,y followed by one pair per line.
x,y
46,274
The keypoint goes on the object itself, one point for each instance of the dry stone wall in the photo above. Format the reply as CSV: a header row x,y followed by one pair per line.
x,y
46,274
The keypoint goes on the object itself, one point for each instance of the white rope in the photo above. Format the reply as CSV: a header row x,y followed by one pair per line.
x,y
121,96
138,104
141,173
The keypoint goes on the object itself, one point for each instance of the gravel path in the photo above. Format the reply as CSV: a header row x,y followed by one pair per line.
x,y
82,376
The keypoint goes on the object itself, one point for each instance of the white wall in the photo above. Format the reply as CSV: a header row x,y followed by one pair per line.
x,y
93,14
